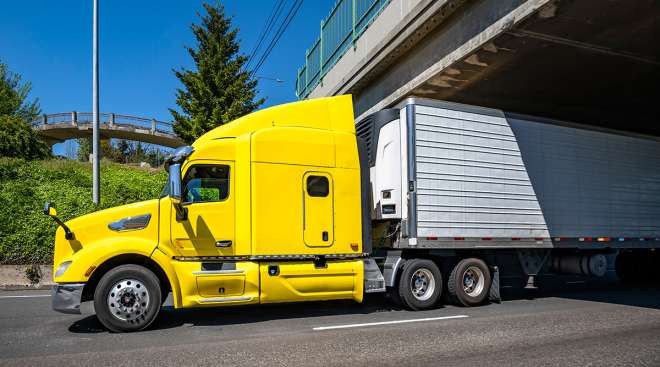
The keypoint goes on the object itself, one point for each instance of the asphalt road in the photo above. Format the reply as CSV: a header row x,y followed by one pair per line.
x,y
572,325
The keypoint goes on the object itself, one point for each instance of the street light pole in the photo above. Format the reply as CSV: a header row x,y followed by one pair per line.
x,y
96,174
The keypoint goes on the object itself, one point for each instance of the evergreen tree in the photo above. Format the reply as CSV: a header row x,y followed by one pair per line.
x,y
217,91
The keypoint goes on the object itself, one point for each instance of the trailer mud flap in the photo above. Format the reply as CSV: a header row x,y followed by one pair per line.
x,y
494,293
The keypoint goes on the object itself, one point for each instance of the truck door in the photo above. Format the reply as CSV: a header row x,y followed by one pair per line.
x,y
318,211
208,198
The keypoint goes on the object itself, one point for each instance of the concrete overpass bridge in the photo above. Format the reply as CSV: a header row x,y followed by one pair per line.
x,y
58,127
595,62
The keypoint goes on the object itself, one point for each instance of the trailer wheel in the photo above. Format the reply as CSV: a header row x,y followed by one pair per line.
x,y
469,282
127,298
420,285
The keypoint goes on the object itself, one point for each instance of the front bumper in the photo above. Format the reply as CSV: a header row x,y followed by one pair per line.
x,y
66,297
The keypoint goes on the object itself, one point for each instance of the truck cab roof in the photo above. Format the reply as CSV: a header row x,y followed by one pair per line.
x,y
331,113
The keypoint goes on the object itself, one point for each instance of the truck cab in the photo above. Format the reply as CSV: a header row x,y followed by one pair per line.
x,y
261,210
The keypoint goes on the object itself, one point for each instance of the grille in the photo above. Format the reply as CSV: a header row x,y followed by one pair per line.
x,y
369,128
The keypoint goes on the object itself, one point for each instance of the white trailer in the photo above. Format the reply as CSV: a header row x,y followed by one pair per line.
x,y
453,181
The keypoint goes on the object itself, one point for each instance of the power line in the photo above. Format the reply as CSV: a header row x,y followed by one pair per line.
x,y
280,31
274,15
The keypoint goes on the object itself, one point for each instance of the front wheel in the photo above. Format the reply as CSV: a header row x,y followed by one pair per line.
x,y
469,282
420,284
127,298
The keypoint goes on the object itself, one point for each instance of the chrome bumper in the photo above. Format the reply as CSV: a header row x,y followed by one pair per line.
x,y
66,297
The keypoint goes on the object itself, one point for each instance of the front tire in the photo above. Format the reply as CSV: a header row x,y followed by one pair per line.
x,y
469,282
420,284
127,298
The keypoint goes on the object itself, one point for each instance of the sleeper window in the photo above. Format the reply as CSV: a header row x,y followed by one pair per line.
x,y
204,183
318,186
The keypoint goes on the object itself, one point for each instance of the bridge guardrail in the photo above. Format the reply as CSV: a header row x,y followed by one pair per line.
x,y
346,22
111,119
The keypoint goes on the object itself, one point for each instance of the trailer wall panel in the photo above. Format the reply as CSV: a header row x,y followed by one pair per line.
x,y
483,173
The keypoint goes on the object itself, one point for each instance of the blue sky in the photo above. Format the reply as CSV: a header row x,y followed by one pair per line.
x,y
49,43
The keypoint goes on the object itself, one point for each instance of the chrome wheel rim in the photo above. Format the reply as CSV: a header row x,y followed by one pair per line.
x,y
473,281
422,284
128,301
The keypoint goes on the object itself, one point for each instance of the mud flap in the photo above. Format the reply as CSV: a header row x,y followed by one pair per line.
x,y
494,294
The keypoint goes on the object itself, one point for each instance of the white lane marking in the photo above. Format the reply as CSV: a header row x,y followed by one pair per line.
x,y
388,322
31,296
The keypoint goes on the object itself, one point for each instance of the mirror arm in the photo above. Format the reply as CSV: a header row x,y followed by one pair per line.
x,y
181,212
50,211
68,234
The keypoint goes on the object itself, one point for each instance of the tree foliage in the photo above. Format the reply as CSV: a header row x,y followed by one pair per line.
x,y
14,94
122,151
19,140
218,90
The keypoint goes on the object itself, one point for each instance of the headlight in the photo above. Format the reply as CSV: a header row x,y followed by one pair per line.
x,y
62,268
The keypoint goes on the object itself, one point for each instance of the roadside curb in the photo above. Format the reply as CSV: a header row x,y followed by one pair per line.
x,y
15,277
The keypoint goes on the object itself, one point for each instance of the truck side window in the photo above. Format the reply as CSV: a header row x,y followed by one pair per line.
x,y
318,186
206,182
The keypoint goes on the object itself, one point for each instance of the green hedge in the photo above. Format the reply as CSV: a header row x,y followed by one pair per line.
x,y
26,234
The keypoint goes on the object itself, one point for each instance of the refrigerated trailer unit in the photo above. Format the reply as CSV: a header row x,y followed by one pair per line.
x,y
459,176
447,176
299,203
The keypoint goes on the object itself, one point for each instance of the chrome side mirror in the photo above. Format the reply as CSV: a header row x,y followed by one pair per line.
x,y
176,191
175,181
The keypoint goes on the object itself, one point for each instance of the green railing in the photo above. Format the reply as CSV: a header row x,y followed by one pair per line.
x,y
347,21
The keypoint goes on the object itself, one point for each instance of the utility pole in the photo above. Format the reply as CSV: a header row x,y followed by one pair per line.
x,y
96,143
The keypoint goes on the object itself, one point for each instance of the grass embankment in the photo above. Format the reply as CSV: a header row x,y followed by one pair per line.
x,y
26,234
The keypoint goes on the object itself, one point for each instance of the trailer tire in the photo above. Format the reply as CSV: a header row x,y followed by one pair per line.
x,y
420,284
127,298
469,282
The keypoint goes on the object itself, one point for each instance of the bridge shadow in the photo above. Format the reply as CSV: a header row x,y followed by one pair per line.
x,y
604,290
607,290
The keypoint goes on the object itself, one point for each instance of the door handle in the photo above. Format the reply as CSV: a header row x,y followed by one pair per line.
x,y
223,243
324,236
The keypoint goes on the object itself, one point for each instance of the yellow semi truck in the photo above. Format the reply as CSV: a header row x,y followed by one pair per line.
x,y
292,203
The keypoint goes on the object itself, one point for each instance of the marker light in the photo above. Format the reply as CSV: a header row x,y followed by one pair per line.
x,y
62,268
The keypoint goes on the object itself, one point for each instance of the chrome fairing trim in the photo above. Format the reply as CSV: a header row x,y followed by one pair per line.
x,y
273,257
218,272
66,297
131,223
224,299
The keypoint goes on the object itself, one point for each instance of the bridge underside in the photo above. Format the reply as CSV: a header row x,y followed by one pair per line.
x,y
59,132
588,61
595,61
